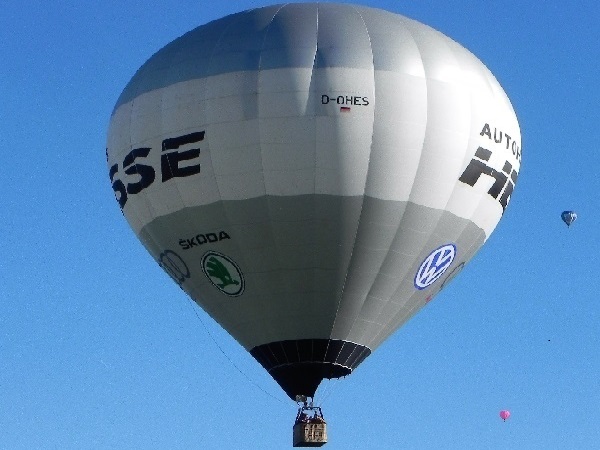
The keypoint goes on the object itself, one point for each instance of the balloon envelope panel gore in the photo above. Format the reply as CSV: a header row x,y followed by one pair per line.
x,y
312,175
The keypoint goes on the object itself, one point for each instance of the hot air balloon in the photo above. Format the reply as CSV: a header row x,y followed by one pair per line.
x,y
568,217
504,414
312,175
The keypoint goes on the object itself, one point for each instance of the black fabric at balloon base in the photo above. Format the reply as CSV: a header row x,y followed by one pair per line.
x,y
299,366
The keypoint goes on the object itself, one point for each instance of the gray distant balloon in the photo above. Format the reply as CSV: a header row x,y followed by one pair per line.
x,y
312,175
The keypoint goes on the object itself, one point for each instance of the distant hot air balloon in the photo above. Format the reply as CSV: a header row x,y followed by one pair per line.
x,y
504,414
568,217
312,175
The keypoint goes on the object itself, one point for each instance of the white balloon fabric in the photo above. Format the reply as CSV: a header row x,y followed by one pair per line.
x,y
312,175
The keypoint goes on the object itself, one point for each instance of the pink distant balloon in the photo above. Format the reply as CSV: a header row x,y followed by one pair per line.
x,y
504,414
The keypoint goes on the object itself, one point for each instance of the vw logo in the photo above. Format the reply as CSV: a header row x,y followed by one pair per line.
x,y
434,266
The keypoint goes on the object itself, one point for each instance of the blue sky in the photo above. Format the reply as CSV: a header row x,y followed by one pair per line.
x,y
100,350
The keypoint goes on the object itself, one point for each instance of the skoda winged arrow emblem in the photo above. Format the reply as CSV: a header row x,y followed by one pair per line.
x,y
223,273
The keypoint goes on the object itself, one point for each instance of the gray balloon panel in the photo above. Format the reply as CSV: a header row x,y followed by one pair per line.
x,y
313,266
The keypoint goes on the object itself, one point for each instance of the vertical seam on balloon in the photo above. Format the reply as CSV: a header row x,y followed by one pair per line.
x,y
316,142
401,219
375,279
130,145
471,132
361,205
312,77
130,148
162,90
409,201
208,75
417,305
267,196
364,195
412,187
176,181
204,97
315,148
494,91
314,194
182,217
142,196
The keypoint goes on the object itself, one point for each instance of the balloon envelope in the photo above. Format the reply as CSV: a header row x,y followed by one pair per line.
x,y
312,175
504,414
568,217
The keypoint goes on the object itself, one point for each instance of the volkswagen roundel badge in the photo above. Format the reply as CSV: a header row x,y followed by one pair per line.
x,y
223,273
434,266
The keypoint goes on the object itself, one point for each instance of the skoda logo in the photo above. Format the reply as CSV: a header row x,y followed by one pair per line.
x,y
433,267
223,273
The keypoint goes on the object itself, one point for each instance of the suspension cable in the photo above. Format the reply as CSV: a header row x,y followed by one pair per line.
x,y
194,307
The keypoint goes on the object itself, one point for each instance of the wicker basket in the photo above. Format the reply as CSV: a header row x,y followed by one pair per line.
x,y
310,434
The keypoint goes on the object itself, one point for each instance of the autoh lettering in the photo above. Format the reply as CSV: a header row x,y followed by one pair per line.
x,y
504,179
501,137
